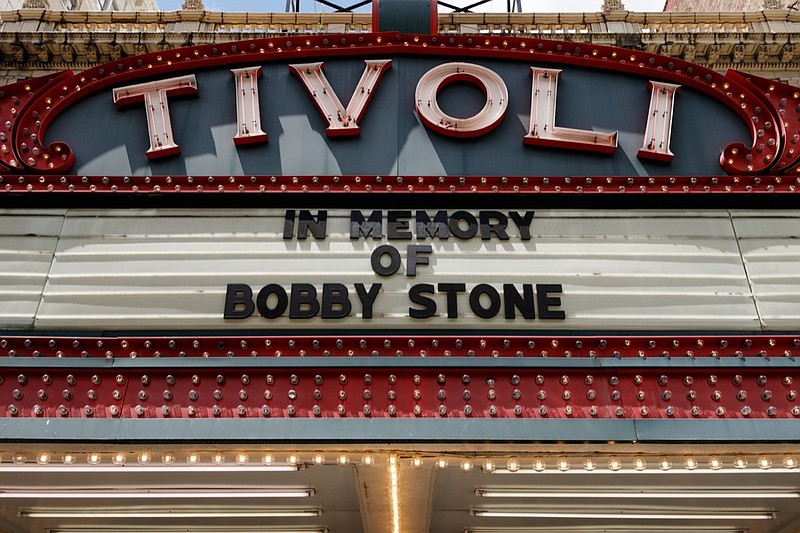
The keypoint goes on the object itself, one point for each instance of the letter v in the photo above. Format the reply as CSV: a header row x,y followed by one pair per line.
x,y
341,121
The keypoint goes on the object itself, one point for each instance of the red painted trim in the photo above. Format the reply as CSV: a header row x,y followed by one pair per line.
x,y
566,145
740,96
434,28
251,139
597,393
654,156
394,345
503,185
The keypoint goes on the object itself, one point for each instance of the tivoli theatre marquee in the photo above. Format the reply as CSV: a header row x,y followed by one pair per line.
x,y
399,282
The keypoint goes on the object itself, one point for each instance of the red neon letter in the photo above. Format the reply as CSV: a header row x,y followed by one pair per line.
x,y
341,121
658,132
248,110
439,77
542,129
156,105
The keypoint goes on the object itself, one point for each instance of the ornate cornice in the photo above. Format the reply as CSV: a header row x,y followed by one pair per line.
x,y
35,39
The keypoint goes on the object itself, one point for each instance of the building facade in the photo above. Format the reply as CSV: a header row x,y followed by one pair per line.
x,y
538,273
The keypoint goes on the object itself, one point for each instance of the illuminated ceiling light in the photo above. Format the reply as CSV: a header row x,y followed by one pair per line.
x,y
342,459
690,463
416,461
513,465
193,458
367,460
167,529
714,462
489,466
739,462
639,464
638,494
539,465
789,462
319,458
148,494
394,497
293,459
764,462
664,464
144,458
43,458
614,464
466,465
589,464
563,464
93,459
37,512
168,458
118,458
69,459
639,515
218,458
242,458
268,459
441,463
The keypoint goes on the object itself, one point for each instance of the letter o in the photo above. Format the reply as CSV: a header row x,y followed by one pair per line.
x,y
485,120
475,301
263,296
394,260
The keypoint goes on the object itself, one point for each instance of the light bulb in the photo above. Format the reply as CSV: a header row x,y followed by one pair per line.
x,y
118,458
319,458
441,463
639,464
293,459
614,464
268,458
690,463
664,463
764,462
93,459
512,465
539,464
416,461
242,458
19,459
144,458
489,466
739,462
466,465
342,459
789,462
43,458
714,462
589,464
168,458
193,458
367,460
562,464
218,458
69,459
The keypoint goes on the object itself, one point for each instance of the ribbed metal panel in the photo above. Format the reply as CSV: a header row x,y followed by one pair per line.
x,y
27,245
619,270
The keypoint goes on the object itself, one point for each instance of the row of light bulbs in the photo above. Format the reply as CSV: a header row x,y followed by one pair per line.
x,y
466,464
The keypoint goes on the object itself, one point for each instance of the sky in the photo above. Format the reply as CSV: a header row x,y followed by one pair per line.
x,y
548,6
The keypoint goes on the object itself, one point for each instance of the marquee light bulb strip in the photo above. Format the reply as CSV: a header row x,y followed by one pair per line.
x,y
69,463
332,392
26,125
557,186
429,345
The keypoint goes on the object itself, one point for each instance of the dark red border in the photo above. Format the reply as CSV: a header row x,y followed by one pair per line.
x,y
746,99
